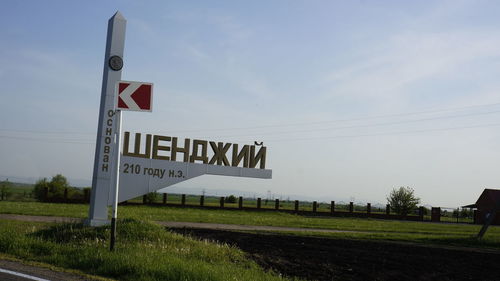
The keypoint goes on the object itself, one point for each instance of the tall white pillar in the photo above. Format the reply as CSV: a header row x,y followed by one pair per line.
x,y
102,180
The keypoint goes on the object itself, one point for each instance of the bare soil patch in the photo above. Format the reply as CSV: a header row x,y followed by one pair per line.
x,y
314,258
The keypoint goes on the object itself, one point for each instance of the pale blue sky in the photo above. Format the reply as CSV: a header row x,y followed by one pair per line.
x,y
352,98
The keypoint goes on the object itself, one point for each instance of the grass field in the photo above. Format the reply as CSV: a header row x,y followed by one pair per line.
x,y
194,200
20,192
23,192
441,233
144,251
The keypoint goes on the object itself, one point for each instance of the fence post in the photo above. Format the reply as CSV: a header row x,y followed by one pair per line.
x,y
368,208
202,200
314,206
164,198
183,199
351,207
66,195
296,205
144,199
332,207
421,212
222,202
277,204
436,214
387,209
259,203
240,202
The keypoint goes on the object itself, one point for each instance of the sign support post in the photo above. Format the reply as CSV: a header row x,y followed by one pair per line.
x,y
118,133
488,221
124,91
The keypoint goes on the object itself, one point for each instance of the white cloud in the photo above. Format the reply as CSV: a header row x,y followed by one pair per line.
x,y
410,58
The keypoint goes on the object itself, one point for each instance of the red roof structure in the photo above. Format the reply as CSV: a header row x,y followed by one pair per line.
x,y
485,204
488,199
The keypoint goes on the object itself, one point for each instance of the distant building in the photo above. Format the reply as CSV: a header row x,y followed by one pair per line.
x,y
485,205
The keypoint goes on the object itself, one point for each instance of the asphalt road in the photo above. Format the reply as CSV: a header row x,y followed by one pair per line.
x,y
8,275
13,270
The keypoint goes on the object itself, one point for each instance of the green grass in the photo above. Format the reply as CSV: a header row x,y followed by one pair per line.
x,y
442,233
44,209
144,251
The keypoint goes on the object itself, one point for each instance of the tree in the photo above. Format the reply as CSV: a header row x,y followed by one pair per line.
x,y
230,199
464,213
57,185
151,197
5,190
403,200
39,189
55,189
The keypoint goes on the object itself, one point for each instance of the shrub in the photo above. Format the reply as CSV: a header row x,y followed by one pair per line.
x,y
39,189
403,200
230,199
5,191
151,197
55,189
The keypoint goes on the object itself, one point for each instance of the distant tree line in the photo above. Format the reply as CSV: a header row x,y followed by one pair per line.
x,y
58,190
5,190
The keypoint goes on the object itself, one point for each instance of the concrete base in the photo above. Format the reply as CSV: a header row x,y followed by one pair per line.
x,y
91,222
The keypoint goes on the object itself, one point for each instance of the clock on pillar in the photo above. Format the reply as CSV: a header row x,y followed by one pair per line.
x,y
115,63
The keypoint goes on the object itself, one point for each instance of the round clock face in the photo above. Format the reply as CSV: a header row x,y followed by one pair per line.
x,y
115,63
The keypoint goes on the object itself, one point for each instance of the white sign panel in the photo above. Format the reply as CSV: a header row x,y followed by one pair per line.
x,y
140,176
